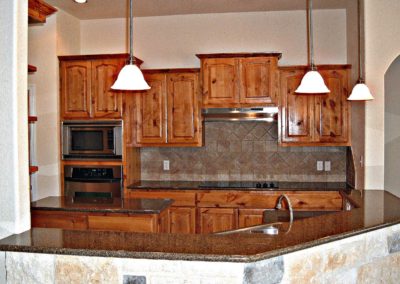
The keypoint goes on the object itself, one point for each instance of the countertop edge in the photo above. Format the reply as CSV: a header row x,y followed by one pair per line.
x,y
192,257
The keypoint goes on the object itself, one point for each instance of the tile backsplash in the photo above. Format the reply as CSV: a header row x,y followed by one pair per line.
x,y
243,151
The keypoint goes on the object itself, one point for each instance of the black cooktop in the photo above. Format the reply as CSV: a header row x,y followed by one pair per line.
x,y
239,184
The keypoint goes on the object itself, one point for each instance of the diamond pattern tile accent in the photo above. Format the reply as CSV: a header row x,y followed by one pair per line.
x,y
243,151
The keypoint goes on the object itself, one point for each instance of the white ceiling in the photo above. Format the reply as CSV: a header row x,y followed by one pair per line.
x,y
101,9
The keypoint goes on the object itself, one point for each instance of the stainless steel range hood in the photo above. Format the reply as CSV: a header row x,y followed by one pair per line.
x,y
268,114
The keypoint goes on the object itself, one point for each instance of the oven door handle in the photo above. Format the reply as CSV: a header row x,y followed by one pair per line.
x,y
81,180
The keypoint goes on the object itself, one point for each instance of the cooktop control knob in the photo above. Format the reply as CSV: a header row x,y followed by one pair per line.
x,y
265,185
271,185
258,185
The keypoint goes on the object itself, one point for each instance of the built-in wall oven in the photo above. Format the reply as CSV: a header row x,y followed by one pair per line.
x,y
93,181
91,140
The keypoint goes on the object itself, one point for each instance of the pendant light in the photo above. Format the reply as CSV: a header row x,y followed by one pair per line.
x,y
312,82
360,91
130,77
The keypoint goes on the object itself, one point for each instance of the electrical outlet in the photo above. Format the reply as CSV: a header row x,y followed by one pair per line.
x,y
327,166
166,165
320,166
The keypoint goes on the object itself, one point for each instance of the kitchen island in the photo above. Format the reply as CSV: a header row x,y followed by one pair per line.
x,y
345,246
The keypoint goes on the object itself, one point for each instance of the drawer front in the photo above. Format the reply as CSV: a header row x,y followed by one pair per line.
x,y
69,221
139,224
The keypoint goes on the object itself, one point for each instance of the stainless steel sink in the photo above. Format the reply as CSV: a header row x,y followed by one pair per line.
x,y
268,229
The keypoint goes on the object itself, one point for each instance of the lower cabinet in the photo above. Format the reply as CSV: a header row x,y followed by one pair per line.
x,y
250,217
213,220
139,223
182,220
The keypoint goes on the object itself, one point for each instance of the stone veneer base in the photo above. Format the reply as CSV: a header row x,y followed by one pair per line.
x,y
372,257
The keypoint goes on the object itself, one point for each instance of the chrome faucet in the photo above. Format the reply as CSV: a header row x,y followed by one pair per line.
x,y
279,205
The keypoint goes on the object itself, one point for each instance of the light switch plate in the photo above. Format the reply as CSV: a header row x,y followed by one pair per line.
x,y
327,166
320,166
166,165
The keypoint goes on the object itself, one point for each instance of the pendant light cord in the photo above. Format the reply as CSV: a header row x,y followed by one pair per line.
x,y
360,70
131,57
310,34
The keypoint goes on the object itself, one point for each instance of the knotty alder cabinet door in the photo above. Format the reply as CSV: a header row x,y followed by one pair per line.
x,y
213,220
106,103
235,80
86,88
75,77
169,113
315,120
182,220
151,113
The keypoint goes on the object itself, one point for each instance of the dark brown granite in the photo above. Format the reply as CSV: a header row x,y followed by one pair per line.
x,y
198,185
102,205
378,209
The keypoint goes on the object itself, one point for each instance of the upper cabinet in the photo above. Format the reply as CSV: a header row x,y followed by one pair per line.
x,y
85,86
38,10
239,79
315,120
169,113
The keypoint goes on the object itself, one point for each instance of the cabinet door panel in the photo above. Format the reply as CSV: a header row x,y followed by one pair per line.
x,y
151,112
250,217
220,87
106,103
256,80
217,220
332,109
75,89
297,113
183,109
182,220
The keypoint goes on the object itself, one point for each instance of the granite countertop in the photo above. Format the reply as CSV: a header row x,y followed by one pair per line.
x,y
236,185
378,209
106,205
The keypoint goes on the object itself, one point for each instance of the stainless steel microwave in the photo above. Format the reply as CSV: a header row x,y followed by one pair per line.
x,y
91,140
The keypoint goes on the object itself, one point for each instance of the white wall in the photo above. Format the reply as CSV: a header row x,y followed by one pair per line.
x,y
14,171
173,41
382,44
60,35
392,129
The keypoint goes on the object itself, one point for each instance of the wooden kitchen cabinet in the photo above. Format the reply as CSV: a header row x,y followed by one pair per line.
x,y
150,112
213,220
332,111
106,103
182,215
250,217
169,113
75,81
85,86
182,220
140,223
241,79
315,120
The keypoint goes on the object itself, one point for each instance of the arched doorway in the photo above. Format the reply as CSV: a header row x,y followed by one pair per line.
x,y
392,128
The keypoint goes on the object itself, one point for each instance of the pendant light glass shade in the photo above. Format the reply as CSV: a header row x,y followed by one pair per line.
x,y
360,92
130,78
312,83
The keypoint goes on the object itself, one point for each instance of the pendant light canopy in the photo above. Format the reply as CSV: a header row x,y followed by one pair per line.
x,y
312,82
130,78
360,91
